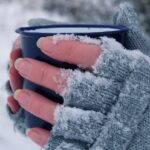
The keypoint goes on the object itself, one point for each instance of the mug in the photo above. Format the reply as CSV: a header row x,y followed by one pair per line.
x,y
29,37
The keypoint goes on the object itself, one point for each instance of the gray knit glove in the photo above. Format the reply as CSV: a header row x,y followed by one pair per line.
x,y
123,122
137,38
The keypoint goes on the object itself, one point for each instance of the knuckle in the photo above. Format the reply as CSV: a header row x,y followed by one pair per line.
x,y
69,51
40,111
43,75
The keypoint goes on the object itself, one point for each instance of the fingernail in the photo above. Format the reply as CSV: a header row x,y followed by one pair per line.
x,y
18,62
23,97
40,42
16,94
27,131
46,44
23,66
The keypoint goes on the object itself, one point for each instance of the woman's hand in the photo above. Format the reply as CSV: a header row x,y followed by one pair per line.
x,y
15,78
74,52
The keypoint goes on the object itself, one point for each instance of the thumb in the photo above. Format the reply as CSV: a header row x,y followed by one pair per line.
x,y
136,38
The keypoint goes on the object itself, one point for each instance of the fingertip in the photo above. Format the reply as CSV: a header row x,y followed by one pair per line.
x,y
17,93
45,44
40,42
38,135
14,106
17,63
28,132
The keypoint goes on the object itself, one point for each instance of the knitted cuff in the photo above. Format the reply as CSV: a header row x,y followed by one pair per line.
x,y
136,38
54,142
128,113
72,146
77,124
88,92
18,119
59,143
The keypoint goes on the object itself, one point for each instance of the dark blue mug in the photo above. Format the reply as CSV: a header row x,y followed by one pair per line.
x,y
29,37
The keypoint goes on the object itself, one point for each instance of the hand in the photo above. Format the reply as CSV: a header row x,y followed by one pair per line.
x,y
29,68
15,78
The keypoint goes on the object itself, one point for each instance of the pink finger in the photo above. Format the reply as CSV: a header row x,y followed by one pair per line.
x,y
16,51
36,104
42,74
70,51
16,80
39,136
13,104
14,55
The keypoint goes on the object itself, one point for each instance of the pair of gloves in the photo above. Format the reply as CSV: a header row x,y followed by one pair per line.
x,y
107,109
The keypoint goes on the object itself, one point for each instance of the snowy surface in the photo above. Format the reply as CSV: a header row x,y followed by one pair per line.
x,y
13,15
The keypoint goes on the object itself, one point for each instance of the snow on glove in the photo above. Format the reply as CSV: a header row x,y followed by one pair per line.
x,y
137,39
88,92
125,117
125,66
125,130
59,143
132,102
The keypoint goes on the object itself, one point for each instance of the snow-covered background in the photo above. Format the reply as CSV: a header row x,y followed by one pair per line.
x,y
15,13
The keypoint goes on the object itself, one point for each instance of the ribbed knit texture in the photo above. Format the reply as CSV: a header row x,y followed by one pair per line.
x,y
133,101
122,123
77,124
75,145
54,142
85,90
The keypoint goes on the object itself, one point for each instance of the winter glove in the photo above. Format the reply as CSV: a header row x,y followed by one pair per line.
x,y
117,126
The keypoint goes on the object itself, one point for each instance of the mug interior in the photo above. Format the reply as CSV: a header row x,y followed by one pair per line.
x,y
72,30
